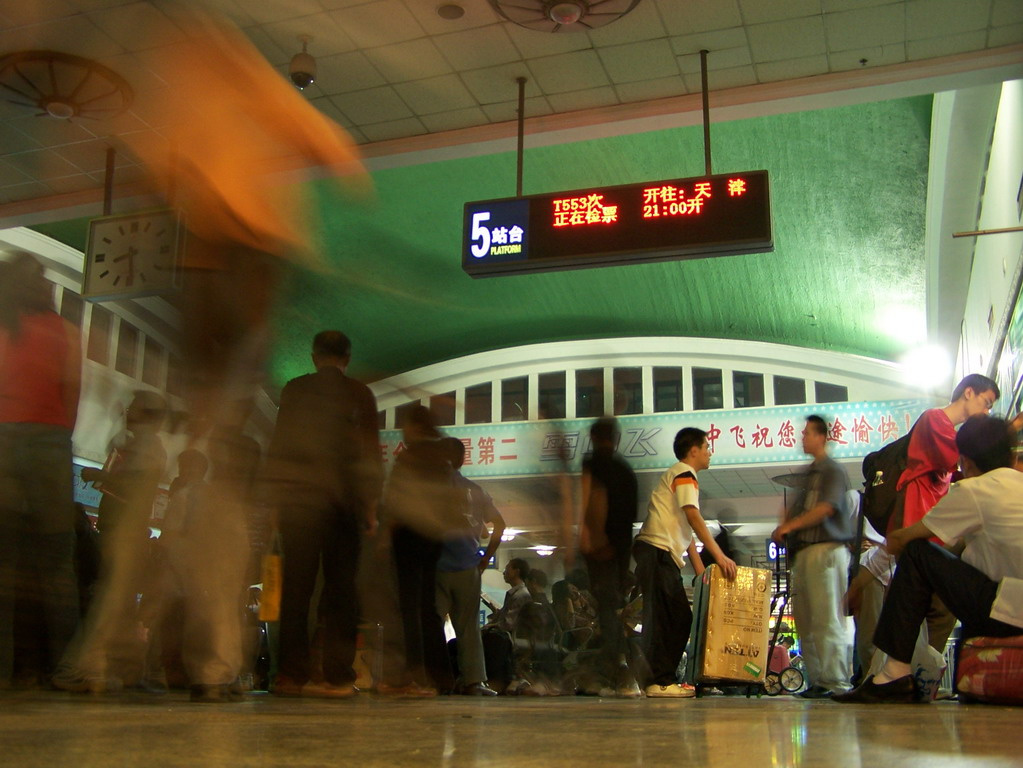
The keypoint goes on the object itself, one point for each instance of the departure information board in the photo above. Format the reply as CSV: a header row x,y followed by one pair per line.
x,y
718,215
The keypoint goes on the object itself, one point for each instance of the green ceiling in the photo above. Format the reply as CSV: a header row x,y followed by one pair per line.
x,y
848,196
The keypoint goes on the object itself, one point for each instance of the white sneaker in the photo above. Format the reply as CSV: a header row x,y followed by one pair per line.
x,y
675,691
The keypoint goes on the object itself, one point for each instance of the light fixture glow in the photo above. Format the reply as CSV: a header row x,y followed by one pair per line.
x,y
566,12
926,367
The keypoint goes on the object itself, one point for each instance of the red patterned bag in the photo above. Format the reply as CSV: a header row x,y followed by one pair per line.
x,y
991,669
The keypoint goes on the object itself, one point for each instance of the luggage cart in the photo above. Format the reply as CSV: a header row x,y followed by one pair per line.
x,y
791,678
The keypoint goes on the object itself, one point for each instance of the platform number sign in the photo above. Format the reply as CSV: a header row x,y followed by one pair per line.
x,y
498,232
700,217
774,550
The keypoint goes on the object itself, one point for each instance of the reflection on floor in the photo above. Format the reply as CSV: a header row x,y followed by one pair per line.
x,y
52,729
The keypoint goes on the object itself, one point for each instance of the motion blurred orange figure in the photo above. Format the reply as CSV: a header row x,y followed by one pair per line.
x,y
237,122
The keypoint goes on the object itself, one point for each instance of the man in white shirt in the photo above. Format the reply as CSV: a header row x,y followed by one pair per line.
x,y
983,588
673,517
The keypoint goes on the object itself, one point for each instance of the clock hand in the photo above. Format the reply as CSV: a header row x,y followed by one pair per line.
x,y
131,266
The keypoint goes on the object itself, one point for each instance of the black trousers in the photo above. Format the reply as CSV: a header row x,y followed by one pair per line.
x,y
311,535
416,557
925,570
607,583
667,617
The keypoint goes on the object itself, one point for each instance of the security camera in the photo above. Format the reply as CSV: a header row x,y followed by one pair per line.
x,y
303,67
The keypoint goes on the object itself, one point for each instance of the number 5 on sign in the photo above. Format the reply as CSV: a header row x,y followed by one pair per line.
x,y
480,233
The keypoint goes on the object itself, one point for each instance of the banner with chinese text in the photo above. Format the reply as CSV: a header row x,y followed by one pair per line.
x,y
745,436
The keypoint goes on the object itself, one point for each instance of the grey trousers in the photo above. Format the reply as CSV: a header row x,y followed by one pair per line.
x,y
458,595
820,578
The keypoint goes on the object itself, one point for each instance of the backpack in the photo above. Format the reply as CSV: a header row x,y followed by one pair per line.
x,y
881,503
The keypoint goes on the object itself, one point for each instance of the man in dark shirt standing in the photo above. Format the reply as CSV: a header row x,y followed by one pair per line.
x,y
610,496
324,474
817,529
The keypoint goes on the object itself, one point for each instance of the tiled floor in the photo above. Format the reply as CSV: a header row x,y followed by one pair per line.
x,y
53,729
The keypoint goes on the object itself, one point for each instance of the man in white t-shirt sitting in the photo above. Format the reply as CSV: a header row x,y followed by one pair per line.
x,y
673,517
983,588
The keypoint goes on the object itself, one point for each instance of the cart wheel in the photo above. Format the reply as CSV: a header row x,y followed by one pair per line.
x,y
772,684
791,679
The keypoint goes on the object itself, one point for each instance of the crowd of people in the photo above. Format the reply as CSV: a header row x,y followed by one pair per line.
x,y
177,610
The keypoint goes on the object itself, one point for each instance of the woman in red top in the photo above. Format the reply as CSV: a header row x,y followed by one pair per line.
x,y
40,382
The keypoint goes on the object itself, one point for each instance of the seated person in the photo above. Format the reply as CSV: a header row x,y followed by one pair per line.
x,y
983,588
536,584
780,659
515,574
503,623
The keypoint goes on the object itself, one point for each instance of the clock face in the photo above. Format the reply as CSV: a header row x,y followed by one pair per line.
x,y
131,255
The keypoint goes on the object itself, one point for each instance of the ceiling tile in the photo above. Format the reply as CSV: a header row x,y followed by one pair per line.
x,y
266,11
18,14
135,70
378,23
721,59
713,41
507,111
413,60
346,72
1008,35
831,6
12,140
495,85
137,26
588,99
781,40
41,164
760,11
27,191
698,15
67,184
233,10
11,175
272,52
876,57
450,121
642,23
395,129
581,70
866,27
130,174
926,19
436,94
157,111
722,79
126,122
638,61
374,105
328,108
425,11
49,132
646,90
358,136
1006,12
476,48
332,5
533,44
945,46
91,156
82,38
328,37
790,69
